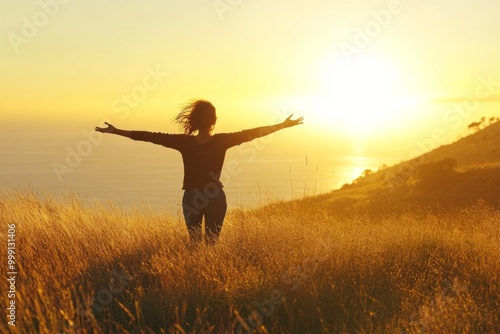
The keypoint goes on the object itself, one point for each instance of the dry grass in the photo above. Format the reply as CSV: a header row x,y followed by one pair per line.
x,y
285,268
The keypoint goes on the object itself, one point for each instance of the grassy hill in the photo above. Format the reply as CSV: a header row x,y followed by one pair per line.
x,y
286,268
477,150
449,176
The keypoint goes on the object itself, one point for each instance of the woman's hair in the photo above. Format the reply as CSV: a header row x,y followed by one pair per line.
x,y
196,115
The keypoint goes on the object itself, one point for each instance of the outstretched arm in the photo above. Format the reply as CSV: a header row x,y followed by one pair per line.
x,y
164,139
287,123
115,131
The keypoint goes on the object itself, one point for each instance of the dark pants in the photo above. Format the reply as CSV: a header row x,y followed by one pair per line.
x,y
212,204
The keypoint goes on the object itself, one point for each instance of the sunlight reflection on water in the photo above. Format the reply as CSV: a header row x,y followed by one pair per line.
x,y
137,174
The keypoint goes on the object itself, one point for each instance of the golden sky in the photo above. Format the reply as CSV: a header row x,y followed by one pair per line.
x,y
370,77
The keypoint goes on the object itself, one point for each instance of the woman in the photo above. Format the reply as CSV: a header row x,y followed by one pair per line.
x,y
203,156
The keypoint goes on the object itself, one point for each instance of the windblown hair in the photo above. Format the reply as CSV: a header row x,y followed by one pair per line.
x,y
196,115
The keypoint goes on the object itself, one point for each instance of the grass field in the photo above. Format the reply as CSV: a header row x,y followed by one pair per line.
x,y
284,268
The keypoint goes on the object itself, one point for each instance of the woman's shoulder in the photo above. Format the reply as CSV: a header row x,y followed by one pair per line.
x,y
231,134
231,139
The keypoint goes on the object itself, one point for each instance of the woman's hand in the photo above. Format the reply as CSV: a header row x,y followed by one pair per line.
x,y
109,129
292,122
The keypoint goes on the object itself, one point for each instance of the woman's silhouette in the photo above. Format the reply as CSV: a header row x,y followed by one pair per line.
x,y
203,156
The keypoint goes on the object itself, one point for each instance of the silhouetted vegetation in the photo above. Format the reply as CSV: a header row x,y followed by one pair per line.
x,y
476,126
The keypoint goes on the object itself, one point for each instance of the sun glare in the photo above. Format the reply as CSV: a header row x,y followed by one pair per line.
x,y
362,98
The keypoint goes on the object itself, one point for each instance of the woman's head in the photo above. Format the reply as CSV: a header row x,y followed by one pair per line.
x,y
195,116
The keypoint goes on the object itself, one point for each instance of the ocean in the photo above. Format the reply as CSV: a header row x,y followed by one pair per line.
x,y
134,174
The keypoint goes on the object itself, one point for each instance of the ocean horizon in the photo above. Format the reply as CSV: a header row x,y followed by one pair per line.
x,y
141,174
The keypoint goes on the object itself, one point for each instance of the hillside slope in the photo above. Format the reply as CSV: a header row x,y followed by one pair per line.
x,y
451,175
478,149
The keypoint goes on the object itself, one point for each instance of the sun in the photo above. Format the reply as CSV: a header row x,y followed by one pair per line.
x,y
362,98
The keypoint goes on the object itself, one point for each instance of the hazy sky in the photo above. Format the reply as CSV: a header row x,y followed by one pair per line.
x,y
358,71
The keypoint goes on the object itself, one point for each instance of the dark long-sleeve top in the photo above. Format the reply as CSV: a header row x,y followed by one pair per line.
x,y
202,162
